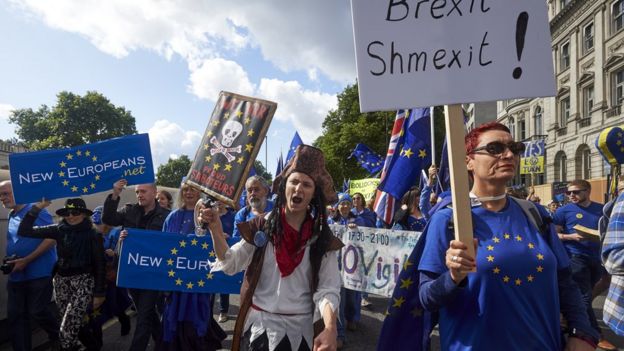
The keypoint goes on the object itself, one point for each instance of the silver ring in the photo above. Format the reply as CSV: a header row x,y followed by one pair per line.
x,y
454,258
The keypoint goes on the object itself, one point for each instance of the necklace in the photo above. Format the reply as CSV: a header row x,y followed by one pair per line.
x,y
475,199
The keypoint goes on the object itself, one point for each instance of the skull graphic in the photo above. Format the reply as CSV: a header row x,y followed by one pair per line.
x,y
231,130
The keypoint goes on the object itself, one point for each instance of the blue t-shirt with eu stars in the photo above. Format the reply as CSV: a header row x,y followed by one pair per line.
x,y
511,302
572,214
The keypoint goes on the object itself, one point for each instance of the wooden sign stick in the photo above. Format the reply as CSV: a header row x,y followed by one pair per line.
x,y
462,215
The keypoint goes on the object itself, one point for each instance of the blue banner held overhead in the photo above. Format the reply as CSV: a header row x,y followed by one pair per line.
x,y
172,262
81,170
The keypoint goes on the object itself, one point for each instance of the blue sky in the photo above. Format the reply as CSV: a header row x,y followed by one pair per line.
x,y
166,61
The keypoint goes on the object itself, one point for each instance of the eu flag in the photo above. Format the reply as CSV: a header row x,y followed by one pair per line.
x,y
444,173
414,145
296,141
280,165
407,325
367,158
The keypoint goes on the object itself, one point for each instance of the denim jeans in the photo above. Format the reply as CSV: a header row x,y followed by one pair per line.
x,y
586,273
28,300
350,305
224,303
148,319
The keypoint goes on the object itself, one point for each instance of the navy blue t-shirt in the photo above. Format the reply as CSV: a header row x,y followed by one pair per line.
x,y
511,302
572,214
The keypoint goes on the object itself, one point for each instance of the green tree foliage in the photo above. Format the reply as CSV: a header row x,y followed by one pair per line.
x,y
170,174
74,120
262,171
346,126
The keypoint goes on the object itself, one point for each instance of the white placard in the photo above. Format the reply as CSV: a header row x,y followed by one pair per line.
x,y
418,53
372,258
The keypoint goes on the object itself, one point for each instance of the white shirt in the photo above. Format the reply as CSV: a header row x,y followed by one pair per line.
x,y
282,296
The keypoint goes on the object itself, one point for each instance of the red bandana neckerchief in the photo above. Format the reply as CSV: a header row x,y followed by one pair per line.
x,y
290,250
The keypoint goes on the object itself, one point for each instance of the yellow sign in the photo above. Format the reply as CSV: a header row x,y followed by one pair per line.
x,y
366,187
532,164
532,160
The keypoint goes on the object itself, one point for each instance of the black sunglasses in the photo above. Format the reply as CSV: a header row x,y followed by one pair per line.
x,y
498,147
72,213
575,192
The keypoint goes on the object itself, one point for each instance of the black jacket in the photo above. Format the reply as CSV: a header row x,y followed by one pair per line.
x,y
79,247
132,215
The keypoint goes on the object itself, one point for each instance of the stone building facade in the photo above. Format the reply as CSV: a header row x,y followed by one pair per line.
x,y
588,56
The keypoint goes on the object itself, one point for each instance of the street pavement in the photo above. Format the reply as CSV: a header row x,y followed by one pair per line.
x,y
363,338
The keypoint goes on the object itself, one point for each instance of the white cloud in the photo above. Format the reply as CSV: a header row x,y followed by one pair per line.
x,y
293,35
305,109
169,140
5,111
215,75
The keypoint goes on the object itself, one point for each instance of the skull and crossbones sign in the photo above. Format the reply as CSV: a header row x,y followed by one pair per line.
x,y
231,130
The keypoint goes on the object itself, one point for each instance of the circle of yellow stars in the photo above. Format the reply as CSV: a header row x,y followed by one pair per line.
x,y
172,273
63,172
248,148
519,280
404,286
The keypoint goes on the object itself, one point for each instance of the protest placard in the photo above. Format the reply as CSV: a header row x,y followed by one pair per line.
x,y
81,170
230,145
424,53
532,161
172,262
366,187
372,258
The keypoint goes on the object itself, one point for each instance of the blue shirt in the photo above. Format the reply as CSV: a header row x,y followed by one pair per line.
x,y
512,301
245,214
369,217
413,224
42,266
572,214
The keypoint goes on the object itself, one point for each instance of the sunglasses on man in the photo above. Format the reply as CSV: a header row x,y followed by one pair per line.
x,y
498,147
575,192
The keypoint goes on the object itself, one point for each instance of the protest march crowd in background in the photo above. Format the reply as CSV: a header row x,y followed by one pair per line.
x,y
537,263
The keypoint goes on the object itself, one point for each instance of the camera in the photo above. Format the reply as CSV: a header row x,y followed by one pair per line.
x,y
6,267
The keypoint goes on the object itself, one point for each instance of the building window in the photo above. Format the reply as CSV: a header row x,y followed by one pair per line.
x,y
537,121
583,162
617,15
560,167
588,101
564,3
564,111
565,55
522,134
512,127
618,88
588,37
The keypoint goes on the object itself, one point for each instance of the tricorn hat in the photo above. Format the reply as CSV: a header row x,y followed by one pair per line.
x,y
74,204
310,161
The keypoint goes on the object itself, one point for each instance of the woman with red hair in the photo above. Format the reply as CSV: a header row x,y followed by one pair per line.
x,y
510,296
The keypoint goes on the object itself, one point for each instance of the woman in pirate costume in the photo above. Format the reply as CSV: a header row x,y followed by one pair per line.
x,y
290,258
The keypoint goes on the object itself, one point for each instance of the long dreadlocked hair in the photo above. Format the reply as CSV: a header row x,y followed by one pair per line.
x,y
274,230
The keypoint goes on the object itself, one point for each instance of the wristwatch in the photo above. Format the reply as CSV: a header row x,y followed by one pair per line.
x,y
576,333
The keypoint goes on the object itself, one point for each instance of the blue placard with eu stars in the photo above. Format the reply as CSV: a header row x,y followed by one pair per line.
x,y
81,170
172,262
